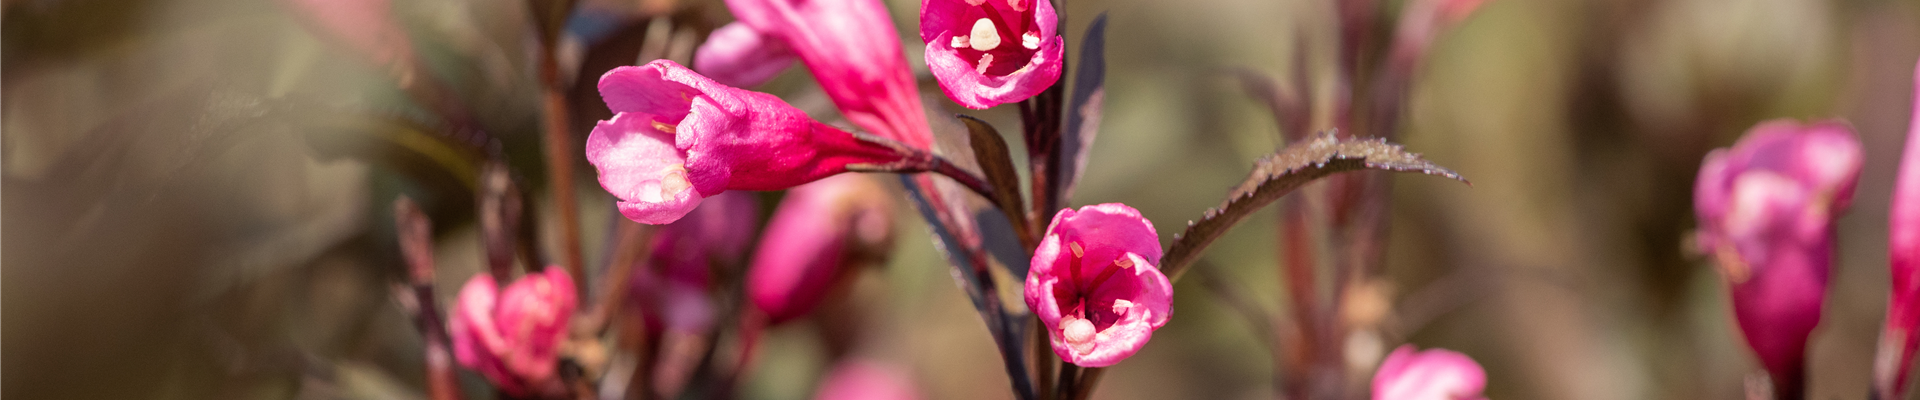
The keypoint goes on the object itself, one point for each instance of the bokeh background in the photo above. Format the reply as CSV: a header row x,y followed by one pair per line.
x,y
195,192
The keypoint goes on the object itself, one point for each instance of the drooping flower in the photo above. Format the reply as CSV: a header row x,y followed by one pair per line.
x,y
1903,256
853,51
1096,285
1766,209
859,379
674,289
1434,374
991,52
677,137
820,229
513,337
738,55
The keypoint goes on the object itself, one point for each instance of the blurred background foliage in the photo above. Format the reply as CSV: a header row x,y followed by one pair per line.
x,y
195,190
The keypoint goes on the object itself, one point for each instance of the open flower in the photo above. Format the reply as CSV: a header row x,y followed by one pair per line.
x,y
991,52
1766,210
513,337
853,51
1434,374
677,137
738,55
1095,285
818,231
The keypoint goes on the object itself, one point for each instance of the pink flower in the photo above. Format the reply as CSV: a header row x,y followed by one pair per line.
x,y
513,339
1094,284
991,52
1903,251
1435,374
810,242
853,51
1766,209
674,290
865,380
677,137
738,55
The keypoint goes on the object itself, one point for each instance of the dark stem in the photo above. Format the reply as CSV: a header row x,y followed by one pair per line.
x,y
416,247
559,147
1043,359
1088,379
1069,380
970,259
973,182
630,245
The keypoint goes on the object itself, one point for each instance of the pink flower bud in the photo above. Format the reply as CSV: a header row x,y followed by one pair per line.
x,y
1766,209
991,52
853,51
1434,374
865,380
738,55
677,137
1903,256
513,337
1095,285
809,240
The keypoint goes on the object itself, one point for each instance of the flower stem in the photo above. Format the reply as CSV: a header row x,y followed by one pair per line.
x,y
1088,378
560,152
1042,359
416,246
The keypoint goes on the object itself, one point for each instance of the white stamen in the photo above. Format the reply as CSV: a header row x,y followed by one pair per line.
x,y
672,181
985,60
1018,5
1121,306
960,42
1030,40
1079,334
984,37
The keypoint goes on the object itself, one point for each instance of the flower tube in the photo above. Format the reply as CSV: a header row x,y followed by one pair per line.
x,y
677,137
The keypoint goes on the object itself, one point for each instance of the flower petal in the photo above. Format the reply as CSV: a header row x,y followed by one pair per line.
x,y
738,55
639,164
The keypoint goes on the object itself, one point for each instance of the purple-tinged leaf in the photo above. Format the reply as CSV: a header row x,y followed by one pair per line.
x,y
962,248
997,163
1083,111
997,236
1281,173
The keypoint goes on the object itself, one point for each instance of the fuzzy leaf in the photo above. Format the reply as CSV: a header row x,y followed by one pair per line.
x,y
1280,173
